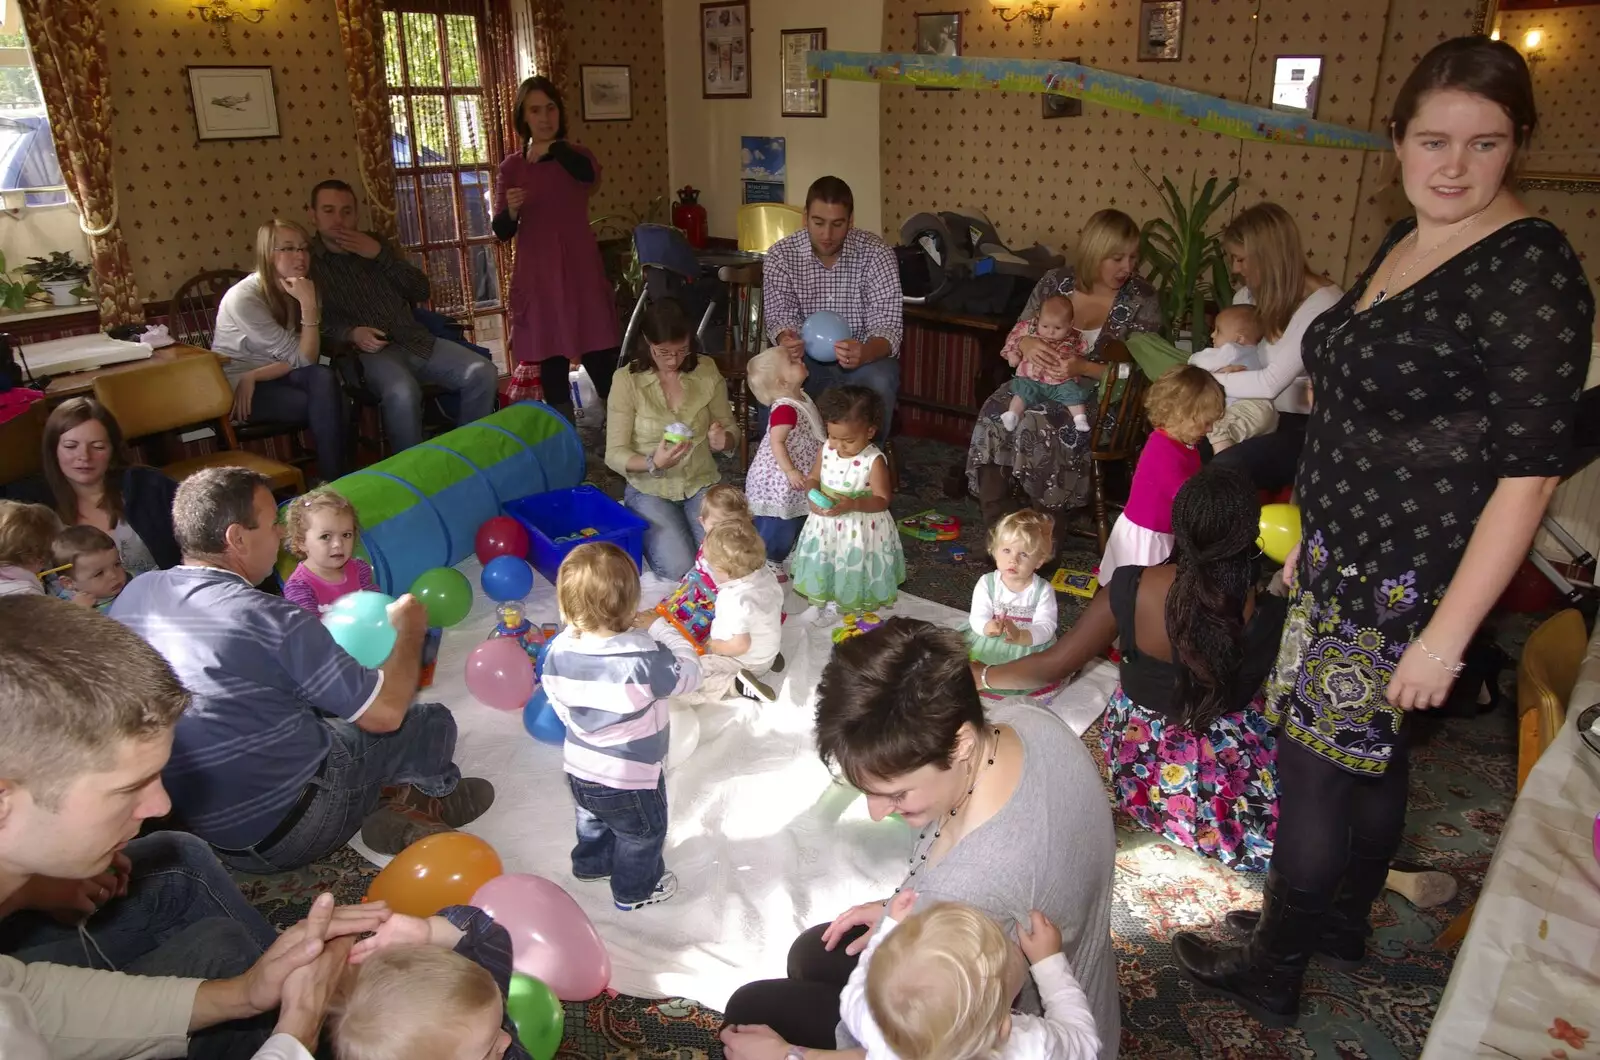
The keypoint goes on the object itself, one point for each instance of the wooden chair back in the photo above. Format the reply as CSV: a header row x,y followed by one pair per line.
x,y
164,396
746,319
1120,423
20,439
1545,678
192,313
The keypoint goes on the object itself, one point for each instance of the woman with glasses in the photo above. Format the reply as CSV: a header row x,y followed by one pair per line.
x,y
269,329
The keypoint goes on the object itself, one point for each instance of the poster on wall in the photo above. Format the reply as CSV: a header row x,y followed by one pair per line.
x,y
763,167
803,95
725,50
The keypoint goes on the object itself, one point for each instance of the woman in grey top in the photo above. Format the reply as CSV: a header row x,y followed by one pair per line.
x,y
1012,813
269,327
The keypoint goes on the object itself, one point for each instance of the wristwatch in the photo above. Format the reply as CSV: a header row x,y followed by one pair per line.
x,y
650,465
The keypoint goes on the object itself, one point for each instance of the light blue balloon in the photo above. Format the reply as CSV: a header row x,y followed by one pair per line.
x,y
820,331
540,719
359,623
507,578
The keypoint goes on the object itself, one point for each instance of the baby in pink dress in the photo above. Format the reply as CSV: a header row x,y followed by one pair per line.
x,y
322,532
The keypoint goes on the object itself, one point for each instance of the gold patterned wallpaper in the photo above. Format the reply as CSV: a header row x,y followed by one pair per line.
x,y
186,205
1563,64
632,154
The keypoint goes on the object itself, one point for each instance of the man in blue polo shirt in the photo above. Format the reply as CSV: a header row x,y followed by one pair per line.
x,y
290,746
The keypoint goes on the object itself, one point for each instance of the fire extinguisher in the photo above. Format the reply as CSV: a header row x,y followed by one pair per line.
x,y
690,216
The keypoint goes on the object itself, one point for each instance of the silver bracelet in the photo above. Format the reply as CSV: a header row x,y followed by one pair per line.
x,y
983,678
1454,668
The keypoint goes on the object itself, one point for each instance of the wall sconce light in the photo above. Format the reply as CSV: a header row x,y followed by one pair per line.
x,y
1533,46
1036,11
224,12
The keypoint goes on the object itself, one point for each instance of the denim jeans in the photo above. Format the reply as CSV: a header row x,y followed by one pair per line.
x,y
674,533
309,395
360,765
779,535
177,884
621,834
396,377
881,376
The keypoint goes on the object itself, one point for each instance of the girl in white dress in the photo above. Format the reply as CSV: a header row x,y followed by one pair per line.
x,y
848,557
1013,609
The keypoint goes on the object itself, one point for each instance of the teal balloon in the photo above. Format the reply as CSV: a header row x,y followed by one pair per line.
x,y
538,1016
446,594
359,623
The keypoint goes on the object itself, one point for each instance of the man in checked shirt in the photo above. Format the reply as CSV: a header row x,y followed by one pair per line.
x,y
831,265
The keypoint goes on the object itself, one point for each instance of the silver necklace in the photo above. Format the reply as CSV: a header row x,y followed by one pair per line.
x,y
1416,260
920,852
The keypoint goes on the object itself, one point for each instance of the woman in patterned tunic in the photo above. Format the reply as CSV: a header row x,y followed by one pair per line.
x,y
1445,388
1046,455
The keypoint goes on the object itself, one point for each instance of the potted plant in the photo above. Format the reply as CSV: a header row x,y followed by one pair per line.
x,y
15,294
1187,264
60,274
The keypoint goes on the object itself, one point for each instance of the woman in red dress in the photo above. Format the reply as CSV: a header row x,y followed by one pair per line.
x,y
562,307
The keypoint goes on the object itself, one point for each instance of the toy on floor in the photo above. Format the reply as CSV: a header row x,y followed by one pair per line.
x,y
446,594
855,625
931,526
514,623
537,1014
359,623
1077,582
500,674
507,578
1280,530
586,532
958,554
500,536
436,871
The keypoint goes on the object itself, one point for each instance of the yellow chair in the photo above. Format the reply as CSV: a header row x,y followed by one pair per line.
x,y
762,224
1545,677
165,396
20,438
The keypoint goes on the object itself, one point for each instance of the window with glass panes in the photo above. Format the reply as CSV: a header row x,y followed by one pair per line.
x,y
442,165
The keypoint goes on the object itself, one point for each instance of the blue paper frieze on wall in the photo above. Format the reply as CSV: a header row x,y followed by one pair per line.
x,y
1168,102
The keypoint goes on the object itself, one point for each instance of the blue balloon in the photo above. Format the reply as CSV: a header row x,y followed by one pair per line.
x,y
820,331
507,578
359,623
540,719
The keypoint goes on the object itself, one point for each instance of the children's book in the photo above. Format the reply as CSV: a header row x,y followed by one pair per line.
x,y
1077,582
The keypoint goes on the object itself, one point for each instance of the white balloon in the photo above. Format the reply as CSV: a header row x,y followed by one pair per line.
x,y
685,735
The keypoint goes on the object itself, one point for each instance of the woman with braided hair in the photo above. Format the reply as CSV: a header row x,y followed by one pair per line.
x,y
1189,753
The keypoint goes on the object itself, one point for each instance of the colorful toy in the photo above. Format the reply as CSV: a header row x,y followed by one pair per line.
x,y
1077,582
558,521
820,331
855,625
514,624
1280,530
820,499
931,526
958,554
586,532
678,433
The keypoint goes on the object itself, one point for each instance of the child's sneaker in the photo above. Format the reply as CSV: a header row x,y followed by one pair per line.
x,y
750,688
1009,420
666,887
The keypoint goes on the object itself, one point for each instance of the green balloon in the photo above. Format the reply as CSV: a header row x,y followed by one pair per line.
x,y
445,593
540,1021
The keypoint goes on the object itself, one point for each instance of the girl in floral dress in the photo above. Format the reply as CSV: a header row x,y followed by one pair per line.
x,y
1013,609
849,557
776,481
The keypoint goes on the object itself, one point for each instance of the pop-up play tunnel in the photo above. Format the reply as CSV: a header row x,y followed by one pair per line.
x,y
422,507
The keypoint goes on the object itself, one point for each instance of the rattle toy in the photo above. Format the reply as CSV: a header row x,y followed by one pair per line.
x,y
820,499
677,433
514,623
958,554
855,625
931,526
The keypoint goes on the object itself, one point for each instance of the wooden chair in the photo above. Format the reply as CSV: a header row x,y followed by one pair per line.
x,y
192,313
165,396
1545,678
746,337
1118,427
20,438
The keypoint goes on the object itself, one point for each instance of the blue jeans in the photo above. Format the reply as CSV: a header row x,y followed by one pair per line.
x,y
621,834
881,376
396,377
309,395
674,533
360,765
779,535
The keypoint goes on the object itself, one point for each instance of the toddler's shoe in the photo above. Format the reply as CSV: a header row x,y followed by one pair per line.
x,y
666,887
751,688
1009,420
1080,424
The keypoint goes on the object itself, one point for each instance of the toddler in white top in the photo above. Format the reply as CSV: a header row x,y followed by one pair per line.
x,y
940,983
747,624
1235,334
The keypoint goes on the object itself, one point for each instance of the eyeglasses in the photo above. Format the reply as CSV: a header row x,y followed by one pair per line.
x,y
299,248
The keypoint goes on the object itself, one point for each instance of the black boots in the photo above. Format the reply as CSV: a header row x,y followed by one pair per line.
x,y
1263,974
1341,941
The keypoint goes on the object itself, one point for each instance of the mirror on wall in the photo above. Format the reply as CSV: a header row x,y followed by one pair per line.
x,y
1295,79
1560,39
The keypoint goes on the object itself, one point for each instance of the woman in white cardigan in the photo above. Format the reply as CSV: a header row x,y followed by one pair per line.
x,y
1264,246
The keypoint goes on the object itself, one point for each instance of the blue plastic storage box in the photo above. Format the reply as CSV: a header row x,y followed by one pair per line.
x,y
555,522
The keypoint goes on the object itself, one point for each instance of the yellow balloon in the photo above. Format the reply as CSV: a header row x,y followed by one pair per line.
x,y
1280,530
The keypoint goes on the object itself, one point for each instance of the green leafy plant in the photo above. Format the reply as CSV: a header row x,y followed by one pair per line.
x,y
1187,265
59,267
615,233
15,294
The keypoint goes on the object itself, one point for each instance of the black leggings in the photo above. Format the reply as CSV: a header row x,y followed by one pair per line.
x,y
804,1008
600,364
1328,816
1270,459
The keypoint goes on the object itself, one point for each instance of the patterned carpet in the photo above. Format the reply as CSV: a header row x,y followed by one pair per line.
x,y
1463,776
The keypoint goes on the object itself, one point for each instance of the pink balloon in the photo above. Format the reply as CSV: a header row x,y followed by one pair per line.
x,y
551,938
500,674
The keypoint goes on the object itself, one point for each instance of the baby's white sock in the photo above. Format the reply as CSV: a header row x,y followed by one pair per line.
x,y
1009,420
1081,422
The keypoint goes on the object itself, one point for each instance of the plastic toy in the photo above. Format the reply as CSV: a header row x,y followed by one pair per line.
x,y
820,331
855,625
678,433
1077,582
514,623
931,526
820,499
558,521
958,554
586,532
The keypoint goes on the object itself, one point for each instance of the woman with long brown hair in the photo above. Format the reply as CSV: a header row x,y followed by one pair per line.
x,y
269,329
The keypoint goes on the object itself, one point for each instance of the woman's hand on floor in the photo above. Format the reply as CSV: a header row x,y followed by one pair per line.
x,y
866,915
752,1042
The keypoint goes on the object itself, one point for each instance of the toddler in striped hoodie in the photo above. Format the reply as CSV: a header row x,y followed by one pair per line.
x,y
609,684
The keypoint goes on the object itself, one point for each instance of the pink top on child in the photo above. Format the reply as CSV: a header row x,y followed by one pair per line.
x,y
1164,466
1071,346
315,595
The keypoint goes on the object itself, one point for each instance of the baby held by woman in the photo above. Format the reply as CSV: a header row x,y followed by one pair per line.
x,y
1235,334
1054,325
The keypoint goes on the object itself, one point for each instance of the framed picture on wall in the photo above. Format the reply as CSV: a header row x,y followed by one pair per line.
x,y
803,97
1295,80
1052,105
607,92
1160,31
234,102
939,33
725,50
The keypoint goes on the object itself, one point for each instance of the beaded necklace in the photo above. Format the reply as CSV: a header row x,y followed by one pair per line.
x,y
919,853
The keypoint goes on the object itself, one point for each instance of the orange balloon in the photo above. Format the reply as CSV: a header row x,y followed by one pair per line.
x,y
434,872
